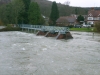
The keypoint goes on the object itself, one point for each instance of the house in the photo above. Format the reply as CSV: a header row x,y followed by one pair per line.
x,y
66,20
93,16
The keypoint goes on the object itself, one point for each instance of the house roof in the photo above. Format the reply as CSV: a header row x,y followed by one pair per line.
x,y
71,19
62,19
94,13
66,19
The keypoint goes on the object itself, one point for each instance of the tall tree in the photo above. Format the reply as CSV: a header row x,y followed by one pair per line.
x,y
27,4
3,16
67,2
25,13
9,13
18,7
34,14
80,19
54,14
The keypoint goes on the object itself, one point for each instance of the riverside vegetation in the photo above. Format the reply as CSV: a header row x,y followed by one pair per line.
x,y
10,28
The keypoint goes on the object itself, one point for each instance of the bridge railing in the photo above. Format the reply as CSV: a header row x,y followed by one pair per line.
x,y
45,28
36,26
24,26
55,29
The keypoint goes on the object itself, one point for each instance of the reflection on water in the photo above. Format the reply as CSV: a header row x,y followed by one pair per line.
x,y
27,54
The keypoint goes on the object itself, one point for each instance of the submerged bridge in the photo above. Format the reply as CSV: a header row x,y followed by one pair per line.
x,y
48,31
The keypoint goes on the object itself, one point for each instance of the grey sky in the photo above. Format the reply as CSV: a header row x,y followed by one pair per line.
x,y
81,3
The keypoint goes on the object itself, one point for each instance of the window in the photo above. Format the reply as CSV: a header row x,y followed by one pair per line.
x,y
90,18
96,18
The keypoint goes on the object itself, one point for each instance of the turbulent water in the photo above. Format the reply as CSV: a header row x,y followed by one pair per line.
x,y
27,54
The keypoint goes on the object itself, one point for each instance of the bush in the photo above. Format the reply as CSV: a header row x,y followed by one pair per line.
x,y
1,23
97,26
92,25
70,26
10,28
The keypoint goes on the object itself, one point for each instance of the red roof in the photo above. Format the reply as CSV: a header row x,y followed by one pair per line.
x,y
94,13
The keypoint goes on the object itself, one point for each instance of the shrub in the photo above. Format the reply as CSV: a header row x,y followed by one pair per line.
x,y
70,26
1,23
10,28
97,26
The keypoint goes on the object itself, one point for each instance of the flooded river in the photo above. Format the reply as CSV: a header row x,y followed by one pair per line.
x,y
27,54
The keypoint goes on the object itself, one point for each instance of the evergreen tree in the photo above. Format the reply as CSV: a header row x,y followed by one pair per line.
x,y
4,14
27,4
18,7
25,13
9,13
80,19
54,14
35,15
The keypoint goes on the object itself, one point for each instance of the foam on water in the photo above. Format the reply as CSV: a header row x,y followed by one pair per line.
x,y
27,54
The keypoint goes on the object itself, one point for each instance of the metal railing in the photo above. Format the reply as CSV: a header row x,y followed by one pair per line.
x,y
45,28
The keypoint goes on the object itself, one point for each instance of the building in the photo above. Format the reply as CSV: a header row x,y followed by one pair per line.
x,y
93,16
66,20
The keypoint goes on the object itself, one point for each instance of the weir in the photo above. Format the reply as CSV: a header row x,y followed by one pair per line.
x,y
48,31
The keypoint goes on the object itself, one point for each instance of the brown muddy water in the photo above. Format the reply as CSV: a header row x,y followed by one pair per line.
x,y
27,54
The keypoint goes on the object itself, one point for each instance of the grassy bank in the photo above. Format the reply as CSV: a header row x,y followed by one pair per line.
x,y
82,29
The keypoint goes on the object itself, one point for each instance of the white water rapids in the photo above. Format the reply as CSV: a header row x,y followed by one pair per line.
x,y
27,54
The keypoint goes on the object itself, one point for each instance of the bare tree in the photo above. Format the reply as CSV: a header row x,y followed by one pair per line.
x,y
67,2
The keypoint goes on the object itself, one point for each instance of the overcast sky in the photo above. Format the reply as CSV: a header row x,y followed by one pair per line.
x,y
81,3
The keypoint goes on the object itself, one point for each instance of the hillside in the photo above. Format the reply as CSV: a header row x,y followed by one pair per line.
x,y
4,1
64,10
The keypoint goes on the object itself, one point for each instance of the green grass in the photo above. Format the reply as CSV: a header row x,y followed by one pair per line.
x,y
82,29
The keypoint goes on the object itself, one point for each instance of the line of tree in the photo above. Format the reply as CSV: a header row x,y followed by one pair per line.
x,y
64,10
21,11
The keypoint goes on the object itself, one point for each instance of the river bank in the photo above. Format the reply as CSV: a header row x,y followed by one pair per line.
x,y
9,28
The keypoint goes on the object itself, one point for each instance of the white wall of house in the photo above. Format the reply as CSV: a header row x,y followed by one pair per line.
x,y
90,18
93,16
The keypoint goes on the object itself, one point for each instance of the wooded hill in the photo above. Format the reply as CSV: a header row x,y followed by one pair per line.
x,y
4,1
64,10
45,7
